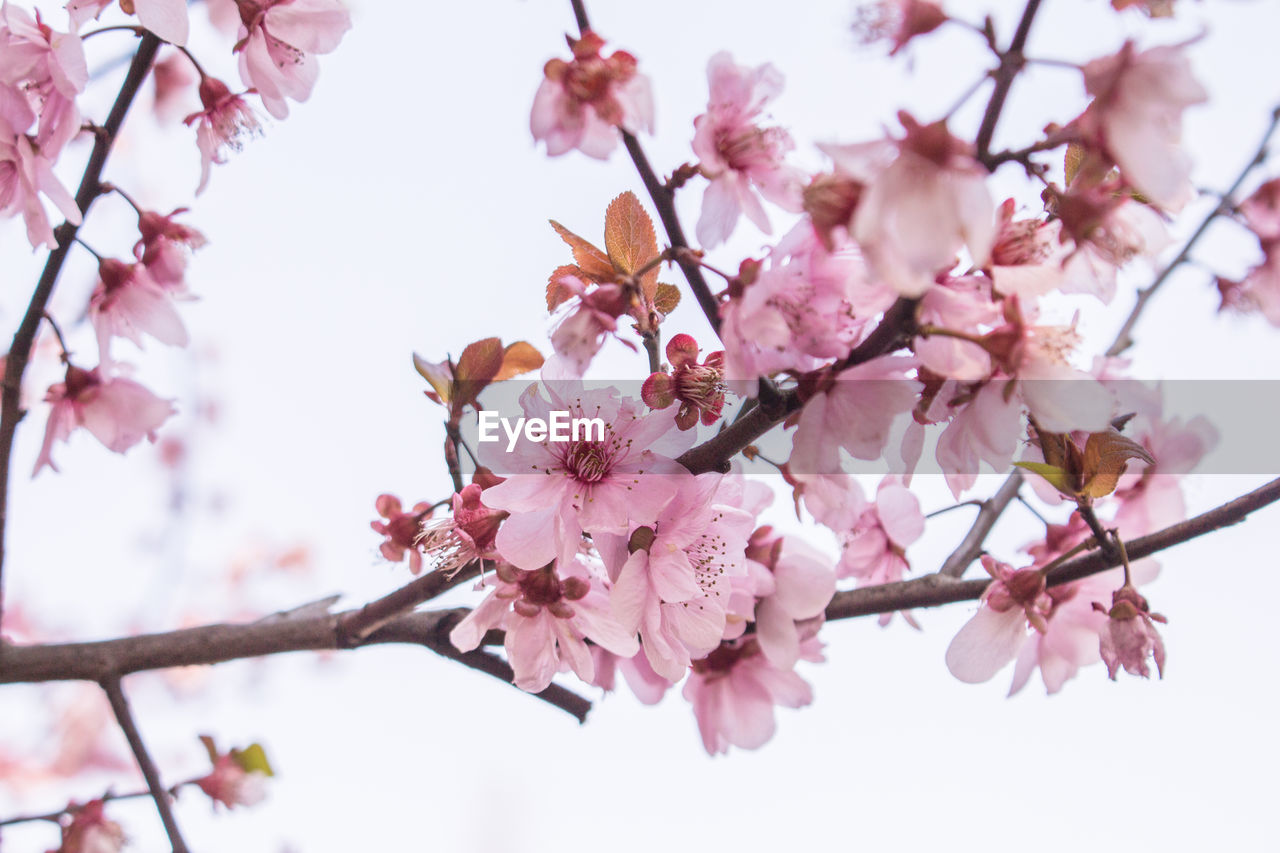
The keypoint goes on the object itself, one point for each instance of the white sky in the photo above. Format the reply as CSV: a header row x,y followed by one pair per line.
x,y
404,208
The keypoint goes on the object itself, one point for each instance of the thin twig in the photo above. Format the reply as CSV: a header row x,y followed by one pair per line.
x,y
55,817
120,707
356,625
992,509
937,589
20,350
1011,62
1124,338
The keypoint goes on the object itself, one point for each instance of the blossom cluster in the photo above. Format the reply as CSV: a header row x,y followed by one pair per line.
x,y
42,76
626,555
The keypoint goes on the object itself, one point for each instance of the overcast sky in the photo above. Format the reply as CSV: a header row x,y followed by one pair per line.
x,y
403,208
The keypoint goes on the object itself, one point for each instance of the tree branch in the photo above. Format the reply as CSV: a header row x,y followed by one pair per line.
x,y
210,644
936,589
1011,62
1124,338
992,508
120,706
356,625
20,351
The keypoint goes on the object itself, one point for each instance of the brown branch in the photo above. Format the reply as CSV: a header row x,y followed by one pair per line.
x,y
1011,62
992,508
120,706
356,625
212,644
1124,338
937,589
20,350
56,816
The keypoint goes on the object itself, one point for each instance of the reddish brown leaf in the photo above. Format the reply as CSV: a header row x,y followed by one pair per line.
x,y
519,358
1106,455
476,367
666,298
594,263
557,293
630,241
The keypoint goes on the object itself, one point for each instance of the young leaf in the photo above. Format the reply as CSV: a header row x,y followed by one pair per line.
x,y
476,367
594,263
1105,456
666,298
557,293
630,241
519,358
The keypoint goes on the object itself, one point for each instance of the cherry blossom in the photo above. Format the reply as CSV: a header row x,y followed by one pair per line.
x,y
48,69
856,412
117,411
1136,118
238,778
591,315
277,40
128,303
467,535
734,690
925,199
164,246
793,590
1131,636
583,102
699,387
673,583
740,158
402,529
585,485
222,125
1014,601
90,831
873,550
898,21
25,175
548,615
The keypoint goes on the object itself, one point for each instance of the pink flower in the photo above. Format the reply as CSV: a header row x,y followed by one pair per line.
x,y
548,616
925,198
855,412
1136,118
674,583
128,303
591,316
117,411
239,777
997,632
794,589
592,484
276,42
874,549
698,387
47,70
582,103
1261,211
402,529
223,125
25,174
166,18
1131,636
1259,290
735,688
90,832
647,685
985,427
164,247
898,21
738,157
1109,230
451,543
